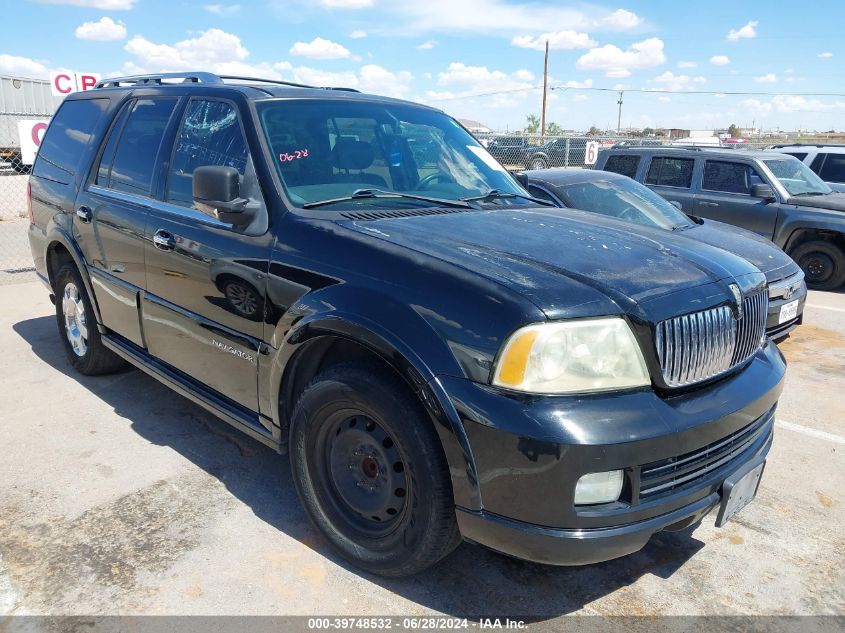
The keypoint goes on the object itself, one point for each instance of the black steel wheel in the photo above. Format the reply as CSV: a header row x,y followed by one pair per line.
x,y
823,264
370,470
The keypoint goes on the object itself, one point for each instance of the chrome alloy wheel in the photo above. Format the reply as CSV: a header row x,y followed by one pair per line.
x,y
76,325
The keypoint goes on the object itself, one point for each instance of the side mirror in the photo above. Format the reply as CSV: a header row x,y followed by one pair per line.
x,y
216,189
676,204
764,192
521,178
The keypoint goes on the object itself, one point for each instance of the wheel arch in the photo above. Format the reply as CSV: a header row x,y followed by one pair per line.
x,y
62,249
320,342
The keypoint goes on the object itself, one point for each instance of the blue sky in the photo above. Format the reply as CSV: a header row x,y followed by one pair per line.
x,y
454,53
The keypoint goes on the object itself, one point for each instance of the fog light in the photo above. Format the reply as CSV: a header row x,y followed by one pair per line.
x,y
598,488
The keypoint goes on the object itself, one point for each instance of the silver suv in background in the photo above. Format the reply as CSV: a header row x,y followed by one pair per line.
x,y
828,161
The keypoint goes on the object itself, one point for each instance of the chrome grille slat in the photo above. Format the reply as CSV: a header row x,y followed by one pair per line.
x,y
697,346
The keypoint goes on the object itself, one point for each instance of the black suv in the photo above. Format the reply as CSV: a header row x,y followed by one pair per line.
x,y
774,195
441,355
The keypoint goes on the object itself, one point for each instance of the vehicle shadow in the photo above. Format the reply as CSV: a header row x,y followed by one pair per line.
x,y
471,582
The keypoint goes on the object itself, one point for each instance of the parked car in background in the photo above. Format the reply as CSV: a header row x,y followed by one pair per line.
x,y
561,152
828,161
774,195
444,357
621,197
509,150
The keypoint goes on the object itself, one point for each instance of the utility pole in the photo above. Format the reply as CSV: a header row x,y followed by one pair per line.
x,y
545,86
619,120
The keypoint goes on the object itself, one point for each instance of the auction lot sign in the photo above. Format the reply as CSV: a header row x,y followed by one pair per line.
x,y
62,83
31,132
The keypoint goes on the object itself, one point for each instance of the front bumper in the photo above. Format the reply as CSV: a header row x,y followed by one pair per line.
x,y
529,451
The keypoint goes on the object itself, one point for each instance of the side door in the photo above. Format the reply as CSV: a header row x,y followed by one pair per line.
x,y
671,177
112,207
725,195
204,308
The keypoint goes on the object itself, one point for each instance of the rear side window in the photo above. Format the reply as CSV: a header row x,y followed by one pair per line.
x,y
729,177
670,172
67,137
625,165
816,165
210,135
134,160
833,169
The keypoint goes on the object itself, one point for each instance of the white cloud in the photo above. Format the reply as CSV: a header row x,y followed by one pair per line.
x,y
463,83
621,20
320,48
687,64
223,10
209,48
105,5
587,83
768,78
720,60
103,30
788,104
580,98
558,40
21,66
826,55
427,46
664,99
746,32
346,4
618,63
675,83
789,71
358,34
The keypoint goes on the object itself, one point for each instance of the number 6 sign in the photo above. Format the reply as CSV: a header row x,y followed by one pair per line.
x,y
591,153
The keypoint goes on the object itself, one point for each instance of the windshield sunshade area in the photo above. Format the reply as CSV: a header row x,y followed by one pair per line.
x,y
330,149
623,199
796,177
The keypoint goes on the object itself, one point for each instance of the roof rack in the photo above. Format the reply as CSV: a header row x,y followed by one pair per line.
x,y
200,77
780,145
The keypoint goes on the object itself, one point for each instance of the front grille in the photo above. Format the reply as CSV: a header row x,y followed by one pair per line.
x,y
667,474
704,344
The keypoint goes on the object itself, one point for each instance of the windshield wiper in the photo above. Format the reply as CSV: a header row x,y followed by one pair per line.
x,y
360,194
493,194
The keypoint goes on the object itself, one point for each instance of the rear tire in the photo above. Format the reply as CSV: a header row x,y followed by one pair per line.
x,y
370,471
823,264
538,162
78,327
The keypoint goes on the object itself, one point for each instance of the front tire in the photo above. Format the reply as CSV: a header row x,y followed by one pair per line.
x,y
823,264
370,471
538,162
78,327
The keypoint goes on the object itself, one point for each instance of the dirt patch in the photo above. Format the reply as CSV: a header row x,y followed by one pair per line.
x,y
819,349
824,499
57,561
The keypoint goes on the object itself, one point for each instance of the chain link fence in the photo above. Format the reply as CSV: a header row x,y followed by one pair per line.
x,y
15,257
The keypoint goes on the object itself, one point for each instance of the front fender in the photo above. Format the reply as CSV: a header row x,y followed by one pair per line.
x,y
403,339
794,223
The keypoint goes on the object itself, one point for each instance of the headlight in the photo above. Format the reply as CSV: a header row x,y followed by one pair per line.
x,y
572,357
598,488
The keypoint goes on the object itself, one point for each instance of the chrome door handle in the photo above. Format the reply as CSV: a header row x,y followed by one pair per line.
x,y
163,240
84,214
708,204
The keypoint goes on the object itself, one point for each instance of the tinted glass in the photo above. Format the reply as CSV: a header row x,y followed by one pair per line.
x,y
331,148
542,195
135,157
670,172
104,170
67,137
729,177
816,165
210,135
834,168
624,199
625,165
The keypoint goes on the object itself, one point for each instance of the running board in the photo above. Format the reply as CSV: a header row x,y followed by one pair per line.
x,y
239,417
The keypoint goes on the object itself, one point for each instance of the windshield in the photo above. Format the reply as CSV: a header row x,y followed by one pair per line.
x,y
331,148
796,177
625,199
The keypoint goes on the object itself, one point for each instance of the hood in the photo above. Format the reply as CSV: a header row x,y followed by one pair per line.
x,y
535,251
833,201
758,250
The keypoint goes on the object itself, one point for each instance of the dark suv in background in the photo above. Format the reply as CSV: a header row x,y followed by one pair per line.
x,y
774,195
354,280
